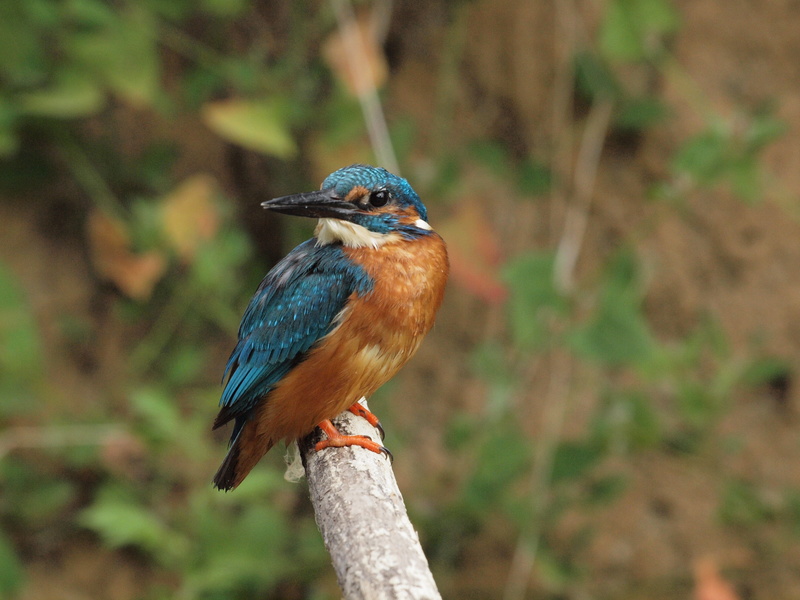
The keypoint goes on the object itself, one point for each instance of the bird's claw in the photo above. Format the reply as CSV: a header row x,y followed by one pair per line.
x,y
337,440
360,410
388,454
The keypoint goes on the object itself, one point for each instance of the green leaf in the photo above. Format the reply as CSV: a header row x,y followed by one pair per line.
x,y
120,521
605,490
696,404
404,135
533,300
705,155
490,363
594,79
492,155
555,571
573,459
619,34
658,16
23,56
73,94
792,510
764,129
236,552
89,14
745,178
184,364
171,10
460,431
535,178
719,154
21,360
260,125
627,420
618,332
503,458
629,27
11,571
34,499
8,137
159,413
639,114
741,505
765,370
215,264
9,142
123,55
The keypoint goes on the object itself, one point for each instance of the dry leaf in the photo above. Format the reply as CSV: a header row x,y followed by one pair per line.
x,y
109,246
189,216
474,252
355,56
709,584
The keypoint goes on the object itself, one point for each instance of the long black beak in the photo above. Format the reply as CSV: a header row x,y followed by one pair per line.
x,y
322,204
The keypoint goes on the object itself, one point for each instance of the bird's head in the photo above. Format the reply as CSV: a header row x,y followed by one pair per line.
x,y
358,206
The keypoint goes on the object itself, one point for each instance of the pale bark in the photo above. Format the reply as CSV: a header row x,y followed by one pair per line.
x,y
360,512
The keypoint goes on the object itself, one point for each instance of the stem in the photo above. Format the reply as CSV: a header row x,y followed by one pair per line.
x,y
360,512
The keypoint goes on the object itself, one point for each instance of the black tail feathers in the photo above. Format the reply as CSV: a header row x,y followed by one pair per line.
x,y
225,478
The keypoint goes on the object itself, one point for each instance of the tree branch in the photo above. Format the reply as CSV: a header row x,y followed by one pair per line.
x,y
360,512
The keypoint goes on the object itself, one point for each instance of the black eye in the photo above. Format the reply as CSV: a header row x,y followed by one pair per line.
x,y
379,198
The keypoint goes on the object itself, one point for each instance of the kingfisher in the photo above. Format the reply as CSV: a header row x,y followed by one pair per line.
x,y
335,319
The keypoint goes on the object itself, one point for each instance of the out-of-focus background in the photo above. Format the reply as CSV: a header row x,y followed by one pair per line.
x,y
606,407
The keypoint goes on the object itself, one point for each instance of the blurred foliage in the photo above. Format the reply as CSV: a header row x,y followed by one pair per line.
x,y
726,153
21,359
182,266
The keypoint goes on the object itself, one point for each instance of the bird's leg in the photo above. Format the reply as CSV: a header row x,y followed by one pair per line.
x,y
338,440
362,411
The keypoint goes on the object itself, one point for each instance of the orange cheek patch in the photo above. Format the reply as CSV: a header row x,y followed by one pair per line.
x,y
408,217
356,193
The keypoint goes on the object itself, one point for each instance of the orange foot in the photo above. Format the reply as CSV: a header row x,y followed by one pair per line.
x,y
338,440
360,410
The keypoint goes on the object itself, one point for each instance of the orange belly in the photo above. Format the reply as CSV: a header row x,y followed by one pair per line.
x,y
377,335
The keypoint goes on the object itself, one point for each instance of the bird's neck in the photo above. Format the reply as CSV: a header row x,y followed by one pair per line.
x,y
351,235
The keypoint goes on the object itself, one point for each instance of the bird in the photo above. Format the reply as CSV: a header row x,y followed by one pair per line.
x,y
333,320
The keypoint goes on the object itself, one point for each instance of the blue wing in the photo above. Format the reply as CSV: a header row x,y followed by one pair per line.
x,y
295,305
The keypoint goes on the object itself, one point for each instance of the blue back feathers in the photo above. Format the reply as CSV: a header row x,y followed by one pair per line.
x,y
295,305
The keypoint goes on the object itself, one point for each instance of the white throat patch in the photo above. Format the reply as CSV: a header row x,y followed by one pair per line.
x,y
330,231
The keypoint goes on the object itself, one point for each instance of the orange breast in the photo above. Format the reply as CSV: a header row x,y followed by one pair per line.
x,y
378,334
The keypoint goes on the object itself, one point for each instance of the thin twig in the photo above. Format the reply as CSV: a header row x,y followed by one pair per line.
x,y
577,219
371,107
563,92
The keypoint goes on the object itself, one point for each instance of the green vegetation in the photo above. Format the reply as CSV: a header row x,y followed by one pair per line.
x,y
182,267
